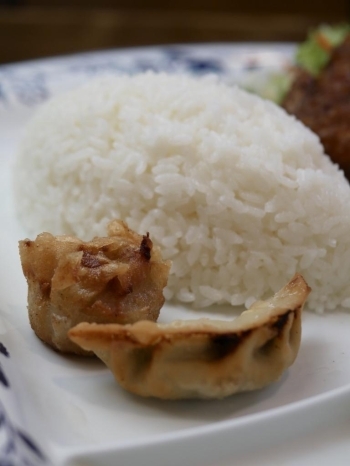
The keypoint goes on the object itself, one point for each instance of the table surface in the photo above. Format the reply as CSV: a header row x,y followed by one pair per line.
x,y
33,28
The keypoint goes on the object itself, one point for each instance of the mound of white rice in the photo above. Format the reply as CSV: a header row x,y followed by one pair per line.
x,y
236,192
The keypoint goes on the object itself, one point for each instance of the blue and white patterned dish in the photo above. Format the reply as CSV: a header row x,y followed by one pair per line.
x,y
64,411
16,446
33,82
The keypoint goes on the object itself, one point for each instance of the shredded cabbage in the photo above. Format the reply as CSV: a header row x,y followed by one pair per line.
x,y
314,54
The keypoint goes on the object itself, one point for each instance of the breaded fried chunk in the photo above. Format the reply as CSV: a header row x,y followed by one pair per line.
x,y
323,104
114,279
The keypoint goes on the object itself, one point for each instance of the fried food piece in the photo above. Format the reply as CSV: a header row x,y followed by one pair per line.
x,y
117,279
323,104
202,358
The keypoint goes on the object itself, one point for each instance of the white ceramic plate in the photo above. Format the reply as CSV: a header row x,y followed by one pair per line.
x,y
68,411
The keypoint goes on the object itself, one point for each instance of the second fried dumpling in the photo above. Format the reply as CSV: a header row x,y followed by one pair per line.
x,y
202,358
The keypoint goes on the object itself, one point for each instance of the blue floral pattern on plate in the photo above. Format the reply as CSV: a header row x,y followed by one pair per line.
x,y
31,83
16,447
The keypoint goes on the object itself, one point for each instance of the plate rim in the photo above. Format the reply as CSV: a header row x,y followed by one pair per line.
x,y
289,45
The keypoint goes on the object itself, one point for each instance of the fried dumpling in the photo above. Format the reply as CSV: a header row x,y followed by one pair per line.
x,y
114,279
202,358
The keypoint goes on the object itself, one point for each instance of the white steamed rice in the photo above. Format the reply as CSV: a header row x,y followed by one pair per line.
x,y
236,192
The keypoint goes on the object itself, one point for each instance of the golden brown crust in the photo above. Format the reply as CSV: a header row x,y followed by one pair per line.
x,y
119,278
202,358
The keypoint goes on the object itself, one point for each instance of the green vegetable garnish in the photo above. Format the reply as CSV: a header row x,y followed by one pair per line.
x,y
276,87
314,54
